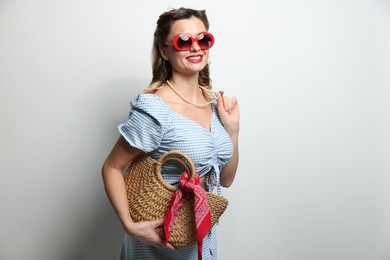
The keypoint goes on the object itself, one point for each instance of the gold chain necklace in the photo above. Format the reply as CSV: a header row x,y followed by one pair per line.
x,y
191,103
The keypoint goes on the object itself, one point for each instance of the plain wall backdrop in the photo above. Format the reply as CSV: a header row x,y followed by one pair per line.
x,y
312,79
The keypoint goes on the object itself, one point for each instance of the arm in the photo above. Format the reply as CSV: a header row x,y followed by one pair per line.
x,y
120,156
229,170
229,113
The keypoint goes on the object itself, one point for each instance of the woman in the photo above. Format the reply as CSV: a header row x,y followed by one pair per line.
x,y
176,112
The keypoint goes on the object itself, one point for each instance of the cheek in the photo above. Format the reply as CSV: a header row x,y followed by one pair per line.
x,y
175,55
178,58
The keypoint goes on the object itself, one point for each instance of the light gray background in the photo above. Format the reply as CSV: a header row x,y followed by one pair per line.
x,y
313,85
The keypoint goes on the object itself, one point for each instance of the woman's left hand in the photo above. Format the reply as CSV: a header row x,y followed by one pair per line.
x,y
229,113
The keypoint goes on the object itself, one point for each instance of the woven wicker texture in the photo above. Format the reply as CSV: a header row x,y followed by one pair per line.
x,y
149,196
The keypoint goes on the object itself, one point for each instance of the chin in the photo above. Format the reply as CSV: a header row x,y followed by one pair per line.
x,y
198,67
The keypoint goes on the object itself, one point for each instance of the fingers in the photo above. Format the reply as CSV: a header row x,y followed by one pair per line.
x,y
170,246
219,93
161,243
234,102
228,104
222,102
157,223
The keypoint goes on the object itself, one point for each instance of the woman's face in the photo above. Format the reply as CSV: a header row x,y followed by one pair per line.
x,y
190,61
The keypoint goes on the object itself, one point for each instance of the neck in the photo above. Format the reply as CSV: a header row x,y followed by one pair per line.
x,y
199,92
188,88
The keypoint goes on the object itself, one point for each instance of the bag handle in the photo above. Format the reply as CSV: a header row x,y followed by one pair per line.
x,y
182,158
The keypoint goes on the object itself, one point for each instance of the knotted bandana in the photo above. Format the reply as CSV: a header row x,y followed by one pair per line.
x,y
201,209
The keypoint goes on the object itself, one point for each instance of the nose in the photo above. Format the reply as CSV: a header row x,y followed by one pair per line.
x,y
195,46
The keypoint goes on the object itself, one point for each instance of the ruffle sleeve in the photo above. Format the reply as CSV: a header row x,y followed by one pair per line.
x,y
147,122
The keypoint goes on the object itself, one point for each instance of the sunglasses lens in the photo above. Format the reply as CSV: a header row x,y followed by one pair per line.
x,y
205,41
184,42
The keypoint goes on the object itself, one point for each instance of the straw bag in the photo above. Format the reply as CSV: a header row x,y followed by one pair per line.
x,y
149,196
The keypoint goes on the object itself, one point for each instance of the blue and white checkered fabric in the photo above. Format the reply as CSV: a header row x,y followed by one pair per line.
x,y
156,129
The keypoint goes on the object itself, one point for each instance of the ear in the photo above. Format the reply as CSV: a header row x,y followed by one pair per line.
x,y
163,52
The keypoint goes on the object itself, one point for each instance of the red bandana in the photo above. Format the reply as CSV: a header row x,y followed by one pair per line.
x,y
201,209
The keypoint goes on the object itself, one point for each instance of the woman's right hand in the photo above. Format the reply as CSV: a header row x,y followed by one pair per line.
x,y
146,232
120,156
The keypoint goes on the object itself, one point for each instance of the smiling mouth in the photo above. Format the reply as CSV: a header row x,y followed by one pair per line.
x,y
195,59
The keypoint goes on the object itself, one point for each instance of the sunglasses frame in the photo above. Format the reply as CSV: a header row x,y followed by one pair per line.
x,y
196,39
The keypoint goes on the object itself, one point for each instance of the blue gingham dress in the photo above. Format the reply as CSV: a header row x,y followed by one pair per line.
x,y
154,128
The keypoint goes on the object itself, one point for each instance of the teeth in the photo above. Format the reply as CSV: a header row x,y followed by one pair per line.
x,y
194,58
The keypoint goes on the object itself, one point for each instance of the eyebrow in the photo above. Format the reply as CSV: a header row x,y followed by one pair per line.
x,y
190,34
